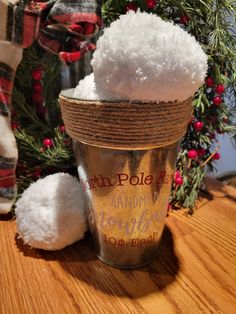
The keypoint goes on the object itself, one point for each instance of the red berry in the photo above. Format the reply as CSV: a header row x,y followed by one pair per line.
x,y
220,88
37,97
192,154
177,174
209,81
198,126
37,74
212,136
62,128
41,110
37,86
67,141
201,152
131,7
37,173
217,100
216,156
14,125
184,19
178,180
48,142
150,4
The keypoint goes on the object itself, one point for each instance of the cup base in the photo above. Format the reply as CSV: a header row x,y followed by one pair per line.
x,y
119,266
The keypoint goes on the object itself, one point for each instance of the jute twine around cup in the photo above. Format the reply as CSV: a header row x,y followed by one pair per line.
x,y
125,125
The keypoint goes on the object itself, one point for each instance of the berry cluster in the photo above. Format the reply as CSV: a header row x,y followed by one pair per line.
x,y
201,135
216,90
150,5
37,94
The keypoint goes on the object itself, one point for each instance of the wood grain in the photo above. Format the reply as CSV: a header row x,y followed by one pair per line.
x,y
195,272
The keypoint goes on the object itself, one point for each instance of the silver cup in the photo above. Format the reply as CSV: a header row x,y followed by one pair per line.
x,y
126,156
127,194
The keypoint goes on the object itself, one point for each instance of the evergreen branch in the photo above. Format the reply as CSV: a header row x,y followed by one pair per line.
x,y
20,105
50,156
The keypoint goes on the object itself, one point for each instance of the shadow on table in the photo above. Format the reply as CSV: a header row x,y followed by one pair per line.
x,y
79,252
6,217
80,262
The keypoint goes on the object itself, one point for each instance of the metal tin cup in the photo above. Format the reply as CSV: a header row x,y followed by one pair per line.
x,y
126,156
127,194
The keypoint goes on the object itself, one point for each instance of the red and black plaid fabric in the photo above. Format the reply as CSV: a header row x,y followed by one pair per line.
x,y
67,27
7,177
63,27
6,82
22,23
7,164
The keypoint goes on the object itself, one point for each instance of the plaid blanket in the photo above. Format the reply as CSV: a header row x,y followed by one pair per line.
x,y
67,27
19,22
6,79
7,177
10,56
63,27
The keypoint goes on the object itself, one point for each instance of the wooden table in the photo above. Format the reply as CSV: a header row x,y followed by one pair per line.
x,y
195,272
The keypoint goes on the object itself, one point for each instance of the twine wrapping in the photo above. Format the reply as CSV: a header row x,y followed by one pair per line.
x,y
125,125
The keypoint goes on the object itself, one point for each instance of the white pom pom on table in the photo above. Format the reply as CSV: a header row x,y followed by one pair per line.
x,y
50,213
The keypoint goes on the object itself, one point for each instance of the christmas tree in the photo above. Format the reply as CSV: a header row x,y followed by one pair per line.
x,y
44,146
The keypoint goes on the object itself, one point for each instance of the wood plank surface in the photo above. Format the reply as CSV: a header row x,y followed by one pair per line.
x,y
194,273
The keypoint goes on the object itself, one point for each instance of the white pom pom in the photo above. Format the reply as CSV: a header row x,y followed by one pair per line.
x,y
141,57
50,213
86,90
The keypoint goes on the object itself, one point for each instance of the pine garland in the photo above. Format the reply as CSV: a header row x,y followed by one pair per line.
x,y
208,22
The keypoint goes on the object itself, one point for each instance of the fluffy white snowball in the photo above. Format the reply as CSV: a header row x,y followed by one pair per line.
x,y
141,57
86,89
50,213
